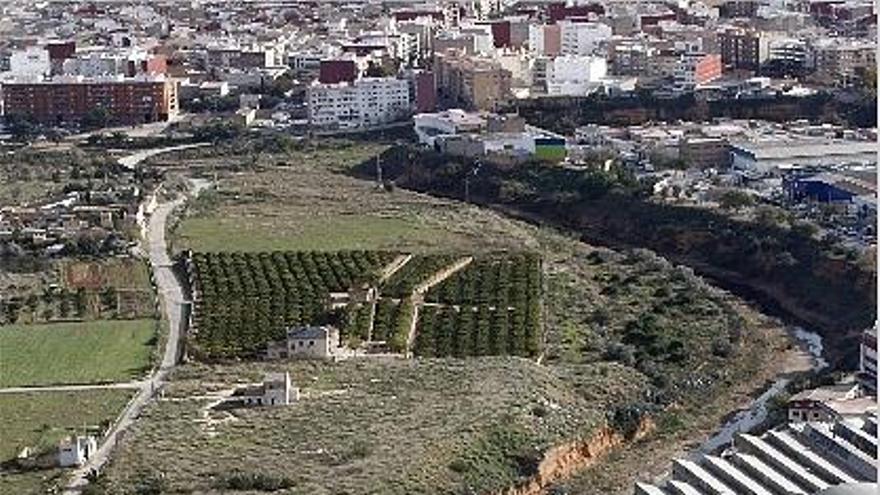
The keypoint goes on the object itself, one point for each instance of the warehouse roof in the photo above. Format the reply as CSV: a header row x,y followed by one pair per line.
x,y
792,149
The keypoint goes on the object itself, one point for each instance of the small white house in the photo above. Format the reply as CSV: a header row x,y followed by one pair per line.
x,y
276,390
75,451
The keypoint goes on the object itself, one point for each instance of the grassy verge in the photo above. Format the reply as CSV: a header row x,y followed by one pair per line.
x,y
88,352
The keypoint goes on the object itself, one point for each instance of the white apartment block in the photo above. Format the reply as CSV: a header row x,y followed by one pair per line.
x,y
536,38
94,66
790,50
104,63
584,38
367,102
573,75
32,62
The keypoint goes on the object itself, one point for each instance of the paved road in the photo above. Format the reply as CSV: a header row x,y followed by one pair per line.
x,y
172,297
72,388
131,160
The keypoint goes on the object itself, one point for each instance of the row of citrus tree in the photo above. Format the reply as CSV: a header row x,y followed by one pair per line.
x,y
244,300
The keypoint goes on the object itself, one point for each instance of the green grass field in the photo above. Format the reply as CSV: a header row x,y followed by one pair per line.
x,y
326,233
40,419
88,352
312,207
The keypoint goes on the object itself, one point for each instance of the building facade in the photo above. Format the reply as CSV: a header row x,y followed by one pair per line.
x,y
694,70
705,152
572,75
584,38
842,62
475,83
365,103
631,58
741,49
75,451
31,62
306,342
337,71
868,361
65,101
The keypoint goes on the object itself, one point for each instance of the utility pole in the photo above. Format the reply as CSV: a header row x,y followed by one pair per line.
x,y
467,181
378,171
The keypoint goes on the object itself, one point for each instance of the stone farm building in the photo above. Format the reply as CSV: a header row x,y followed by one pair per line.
x,y
276,390
311,342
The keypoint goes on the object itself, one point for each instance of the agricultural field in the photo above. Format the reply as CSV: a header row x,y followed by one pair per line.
x,y
418,270
75,353
119,273
492,306
38,420
27,176
245,300
75,290
387,426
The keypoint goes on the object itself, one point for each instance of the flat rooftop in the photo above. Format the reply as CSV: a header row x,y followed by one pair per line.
x,y
794,148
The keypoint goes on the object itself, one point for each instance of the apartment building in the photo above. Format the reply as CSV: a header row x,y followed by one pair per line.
x,y
31,62
364,103
545,39
787,57
68,100
739,8
631,57
475,83
110,63
842,61
584,38
695,69
571,75
789,50
239,58
474,39
741,49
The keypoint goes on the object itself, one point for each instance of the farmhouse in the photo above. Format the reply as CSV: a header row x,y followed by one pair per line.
x,y
276,390
318,342
75,451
